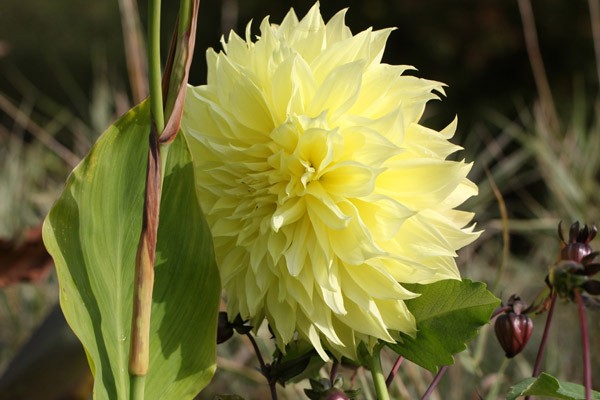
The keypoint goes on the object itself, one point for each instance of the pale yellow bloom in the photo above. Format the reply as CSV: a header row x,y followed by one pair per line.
x,y
322,190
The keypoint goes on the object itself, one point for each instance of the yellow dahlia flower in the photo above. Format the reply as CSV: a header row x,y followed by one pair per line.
x,y
322,190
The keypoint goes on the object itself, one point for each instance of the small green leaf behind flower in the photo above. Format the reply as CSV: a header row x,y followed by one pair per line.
x,y
449,313
548,386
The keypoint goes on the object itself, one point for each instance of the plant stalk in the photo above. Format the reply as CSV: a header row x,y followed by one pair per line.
x,y
537,368
154,66
139,351
587,366
264,368
136,387
377,374
394,371
434,383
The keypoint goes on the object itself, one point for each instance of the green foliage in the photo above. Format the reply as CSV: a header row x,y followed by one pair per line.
x,y
548,386
92,233
449,313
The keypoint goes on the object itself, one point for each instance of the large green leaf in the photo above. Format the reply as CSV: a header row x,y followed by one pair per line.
x,y
92,233
449,313
548,386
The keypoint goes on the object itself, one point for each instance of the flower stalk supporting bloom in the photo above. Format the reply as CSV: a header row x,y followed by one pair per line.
x,y
587,365
323,192
377,373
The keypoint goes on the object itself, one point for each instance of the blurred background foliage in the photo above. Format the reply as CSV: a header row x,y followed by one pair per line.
x,y
533,135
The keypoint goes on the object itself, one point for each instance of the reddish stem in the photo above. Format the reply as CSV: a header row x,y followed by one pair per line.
x,y
435,382
394,371
538,361
334,371
587,369
264,367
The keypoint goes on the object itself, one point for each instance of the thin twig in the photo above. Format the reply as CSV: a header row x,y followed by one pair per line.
x,y
538,361
434,383
40,134
505,228
394,371
135,50
587,366
537,62
537,368
261,360
264,367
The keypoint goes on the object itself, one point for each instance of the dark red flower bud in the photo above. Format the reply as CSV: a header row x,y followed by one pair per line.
x,y
335,394
224,328
513,332
577,247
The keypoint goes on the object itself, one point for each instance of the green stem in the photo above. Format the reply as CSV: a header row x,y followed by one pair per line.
x,y
154,66
377,373
138,384
185,7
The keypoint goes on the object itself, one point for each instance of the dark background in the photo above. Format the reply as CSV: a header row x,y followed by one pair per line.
x,y
474,46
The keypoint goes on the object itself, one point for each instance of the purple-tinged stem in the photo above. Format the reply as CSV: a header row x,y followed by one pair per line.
x,y
587,369
264,368
499,311
394,371
538,360
434,383
537,368
334,371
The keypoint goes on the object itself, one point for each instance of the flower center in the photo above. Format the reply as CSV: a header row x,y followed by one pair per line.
x,y
309,172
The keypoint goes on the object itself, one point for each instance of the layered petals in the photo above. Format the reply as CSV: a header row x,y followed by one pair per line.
x,y
323,192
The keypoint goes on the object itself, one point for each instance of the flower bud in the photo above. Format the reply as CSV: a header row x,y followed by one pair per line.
x,y
335,394
577,246
513,332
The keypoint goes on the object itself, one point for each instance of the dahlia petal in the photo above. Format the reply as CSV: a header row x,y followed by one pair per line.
x,y
429,143
295,254
339,90
421,183
322,209
398,315
348,51
254,296
308,37
313,336
368,322
301,291
352,247
377,283
382,215
465,189
349,179
288,213
366,145
318,147
281,314
289,23
321,188
336,28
